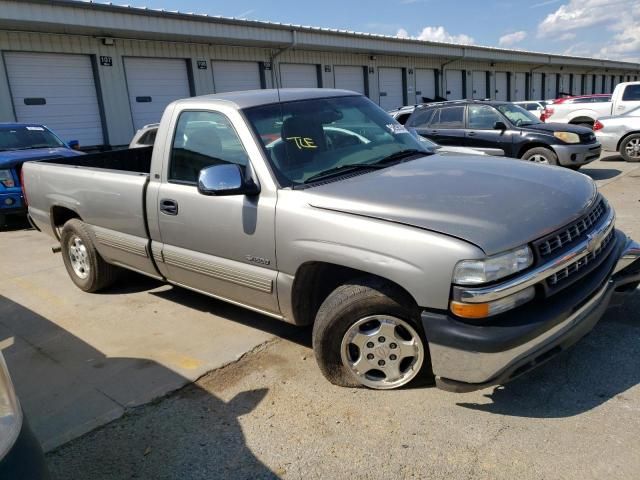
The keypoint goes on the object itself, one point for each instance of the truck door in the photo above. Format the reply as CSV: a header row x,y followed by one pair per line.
x,y
629,99
480,133
220,245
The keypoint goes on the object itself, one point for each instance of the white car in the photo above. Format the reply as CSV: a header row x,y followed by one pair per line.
x,y
620,134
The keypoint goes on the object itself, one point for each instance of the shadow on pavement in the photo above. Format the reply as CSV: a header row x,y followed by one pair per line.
x,y
15,222
612,157
68,388
598,369
198,301
601,173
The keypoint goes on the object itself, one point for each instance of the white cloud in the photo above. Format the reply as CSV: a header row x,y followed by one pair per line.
x,y
512,38
585,18
437,34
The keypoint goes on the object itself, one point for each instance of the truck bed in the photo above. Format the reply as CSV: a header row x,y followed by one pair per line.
x,y
136,160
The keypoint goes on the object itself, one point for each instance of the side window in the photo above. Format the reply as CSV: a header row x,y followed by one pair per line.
x,y
450,117
420,118
203,139
148,138
631,93
483,117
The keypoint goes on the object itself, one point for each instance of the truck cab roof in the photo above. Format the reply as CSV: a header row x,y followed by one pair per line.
x,y
255,98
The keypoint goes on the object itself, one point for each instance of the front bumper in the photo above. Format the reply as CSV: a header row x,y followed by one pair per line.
x,y
25,460
576,155
467,357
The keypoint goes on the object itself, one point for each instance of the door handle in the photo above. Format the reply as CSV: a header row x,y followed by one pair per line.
x,y
168,206
471,134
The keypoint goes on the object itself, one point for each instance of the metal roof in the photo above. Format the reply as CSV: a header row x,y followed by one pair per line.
x,y
318,38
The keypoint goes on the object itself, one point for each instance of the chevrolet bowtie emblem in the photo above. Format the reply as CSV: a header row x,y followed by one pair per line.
x,y
593,242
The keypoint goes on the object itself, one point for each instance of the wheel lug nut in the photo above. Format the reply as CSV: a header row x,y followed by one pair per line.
x,y
381,363
393,345
381,339
370,356
392,357
369,344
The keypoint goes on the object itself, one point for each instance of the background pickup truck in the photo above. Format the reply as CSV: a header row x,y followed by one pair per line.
x,y
314,206
586,110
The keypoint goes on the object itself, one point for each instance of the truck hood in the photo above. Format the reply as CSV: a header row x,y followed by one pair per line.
x,y
11,158
494,203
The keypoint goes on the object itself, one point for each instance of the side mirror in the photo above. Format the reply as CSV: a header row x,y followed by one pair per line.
x,y
499,126
225,179
74,144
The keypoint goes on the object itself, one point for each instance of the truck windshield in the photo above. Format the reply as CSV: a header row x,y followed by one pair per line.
x,y
27,137
309,140
518,115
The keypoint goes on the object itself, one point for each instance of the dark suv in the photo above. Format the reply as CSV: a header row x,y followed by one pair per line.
x,y
502,128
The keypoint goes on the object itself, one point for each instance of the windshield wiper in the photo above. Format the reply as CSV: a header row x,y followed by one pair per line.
x,y
384,162
343,169
401,155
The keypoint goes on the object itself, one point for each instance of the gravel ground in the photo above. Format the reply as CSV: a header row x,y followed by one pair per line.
x,y
272,415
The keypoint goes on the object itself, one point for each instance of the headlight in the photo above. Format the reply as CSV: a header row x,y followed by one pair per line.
x,y
474,272
6,178
483,310
10,413
567,137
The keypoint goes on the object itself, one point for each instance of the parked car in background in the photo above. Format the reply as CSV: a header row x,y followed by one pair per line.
x,y
20,143
505,129
145,137
402,114
472,269
620,134
585,109
534,106
21,456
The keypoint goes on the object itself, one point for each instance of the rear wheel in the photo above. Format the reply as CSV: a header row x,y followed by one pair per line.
x,y
541,155
85,266
366,333
630,148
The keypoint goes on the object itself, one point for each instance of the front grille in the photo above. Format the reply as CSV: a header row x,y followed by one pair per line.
x,y
579,266
572,234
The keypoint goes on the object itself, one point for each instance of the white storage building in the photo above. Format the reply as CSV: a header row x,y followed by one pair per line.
x,y
96,72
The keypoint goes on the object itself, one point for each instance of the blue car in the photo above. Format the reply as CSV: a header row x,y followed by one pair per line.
x,y
19,143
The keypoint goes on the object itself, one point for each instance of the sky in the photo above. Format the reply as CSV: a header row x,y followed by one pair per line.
x,y
600,28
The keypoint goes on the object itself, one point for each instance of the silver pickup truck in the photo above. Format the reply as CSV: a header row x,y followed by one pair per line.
x,y
316,207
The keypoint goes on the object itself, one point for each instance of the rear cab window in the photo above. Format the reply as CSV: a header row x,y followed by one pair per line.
x,y
631,93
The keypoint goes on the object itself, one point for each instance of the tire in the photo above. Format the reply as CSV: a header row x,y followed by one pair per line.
x,y
630,148
383,320
541,155
85,266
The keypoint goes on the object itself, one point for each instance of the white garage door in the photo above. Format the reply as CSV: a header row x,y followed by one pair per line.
x,y
550,86
349,78
425,84
58,91
577,84
565,83
599,88
235,76
453,84
519,87
536,87
479,81
296,75
153,84
501,86
390,87
588,84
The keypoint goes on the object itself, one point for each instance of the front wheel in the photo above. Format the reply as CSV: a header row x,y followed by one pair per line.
x,y
86,268
366,333
541,155
630,148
